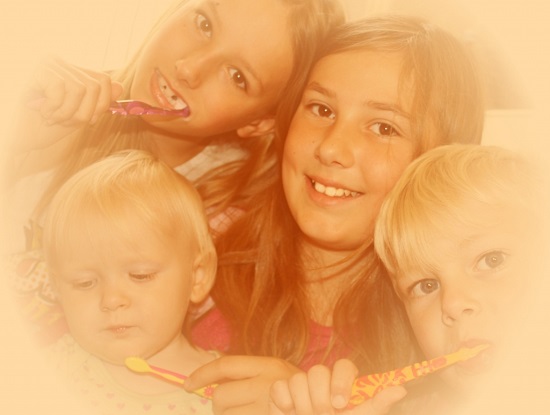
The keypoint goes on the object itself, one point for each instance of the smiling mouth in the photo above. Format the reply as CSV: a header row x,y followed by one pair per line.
x,y
333,191
170,96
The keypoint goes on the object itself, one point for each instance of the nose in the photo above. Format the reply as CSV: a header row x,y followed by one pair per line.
x,y
459,303
113,296
192,69
336,147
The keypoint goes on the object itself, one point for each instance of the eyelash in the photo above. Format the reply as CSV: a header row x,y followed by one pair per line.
x,y
200,19
418,285
491,256
236,81
143,277
84,285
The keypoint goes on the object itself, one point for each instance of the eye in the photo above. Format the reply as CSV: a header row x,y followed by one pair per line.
x,y
238,78
142,276
491,260
322,111
383,129
203,24
84,284
424,287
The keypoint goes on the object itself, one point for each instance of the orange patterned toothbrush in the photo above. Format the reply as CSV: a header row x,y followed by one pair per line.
x,y
137,364
365,387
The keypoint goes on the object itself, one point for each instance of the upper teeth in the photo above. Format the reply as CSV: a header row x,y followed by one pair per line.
x,y
333,191
171,95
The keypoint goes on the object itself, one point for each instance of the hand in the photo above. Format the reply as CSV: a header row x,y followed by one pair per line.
x,y
320,391
62,98
244,382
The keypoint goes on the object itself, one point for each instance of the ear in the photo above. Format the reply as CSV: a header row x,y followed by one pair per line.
x,y
204,274
258,127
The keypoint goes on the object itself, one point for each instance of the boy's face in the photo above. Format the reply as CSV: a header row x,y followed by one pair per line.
x,y
227,61
348,143
474,289
125,296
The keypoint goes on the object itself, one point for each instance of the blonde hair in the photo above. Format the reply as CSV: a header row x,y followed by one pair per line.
x,y
233,183
129,189
260,286
429,199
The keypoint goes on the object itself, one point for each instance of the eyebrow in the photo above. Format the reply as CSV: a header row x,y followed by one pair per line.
x,y
388,107
212,6
315,86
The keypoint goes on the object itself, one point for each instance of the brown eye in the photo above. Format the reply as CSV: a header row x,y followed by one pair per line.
x,y
322,111
238,78
204,25
383,129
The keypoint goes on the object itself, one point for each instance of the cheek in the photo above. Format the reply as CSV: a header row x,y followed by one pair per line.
x,y
381,169
427,330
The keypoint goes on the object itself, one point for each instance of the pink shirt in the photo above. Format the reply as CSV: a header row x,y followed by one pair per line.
x,y
212,332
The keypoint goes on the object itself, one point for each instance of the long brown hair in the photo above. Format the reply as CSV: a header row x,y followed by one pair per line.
x,y
260,285
308,21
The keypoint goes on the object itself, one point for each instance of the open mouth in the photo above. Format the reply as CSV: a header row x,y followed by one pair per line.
x,y
170,97
333,191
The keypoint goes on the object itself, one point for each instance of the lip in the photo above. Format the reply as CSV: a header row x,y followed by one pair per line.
x,y
161,100
481,363
326,199
119,329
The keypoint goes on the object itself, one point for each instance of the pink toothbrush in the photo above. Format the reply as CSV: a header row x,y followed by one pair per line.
x,y
132,107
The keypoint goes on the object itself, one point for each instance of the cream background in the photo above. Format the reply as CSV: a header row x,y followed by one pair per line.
x,y
102,34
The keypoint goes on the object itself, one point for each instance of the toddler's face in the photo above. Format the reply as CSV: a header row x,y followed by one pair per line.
x,y
348,143
474,290
226,61
124,296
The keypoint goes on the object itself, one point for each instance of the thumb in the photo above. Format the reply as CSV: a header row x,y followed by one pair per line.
x,y
116,90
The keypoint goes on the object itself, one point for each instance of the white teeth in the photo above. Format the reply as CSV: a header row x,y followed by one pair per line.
x,y
171,95
332,191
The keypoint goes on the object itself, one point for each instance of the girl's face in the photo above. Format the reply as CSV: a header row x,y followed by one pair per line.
x,y
473,289
125,296
348,143
226,61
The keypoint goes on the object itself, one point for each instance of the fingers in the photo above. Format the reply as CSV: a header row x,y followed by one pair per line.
x,y
238,367
343,376
281,401
303,393
67,95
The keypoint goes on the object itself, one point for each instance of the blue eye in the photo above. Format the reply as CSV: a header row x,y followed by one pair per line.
x,y
424,287
322,111
203,24
491,260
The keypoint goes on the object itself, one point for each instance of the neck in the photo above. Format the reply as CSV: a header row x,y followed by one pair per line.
x,y
175,150
328,274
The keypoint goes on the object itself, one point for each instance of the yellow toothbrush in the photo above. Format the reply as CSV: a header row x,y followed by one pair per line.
x,y
139,365
365,387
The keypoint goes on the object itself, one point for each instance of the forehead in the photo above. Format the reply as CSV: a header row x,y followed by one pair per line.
x,y
256,32
364,74
468,230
